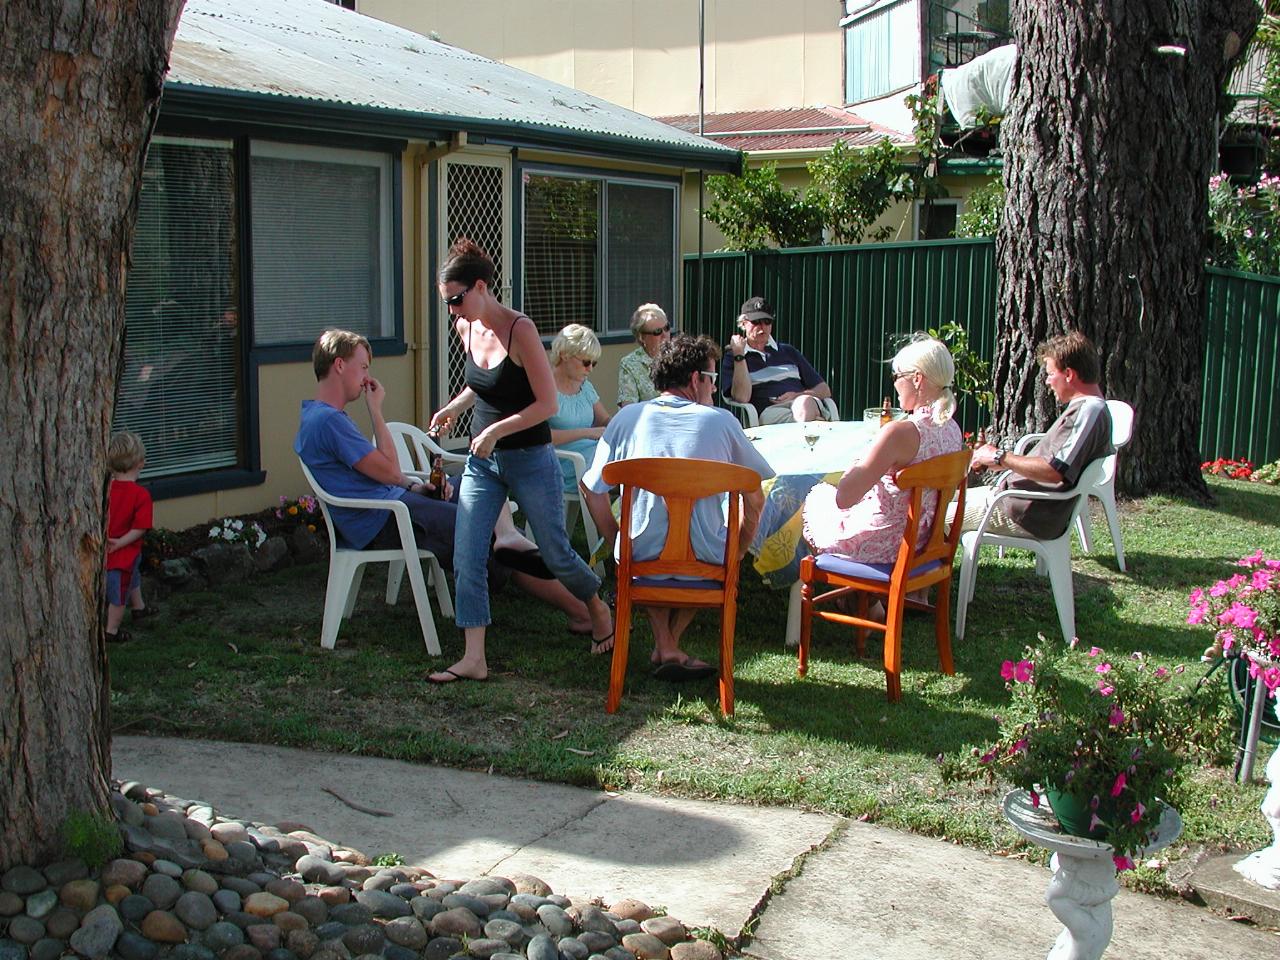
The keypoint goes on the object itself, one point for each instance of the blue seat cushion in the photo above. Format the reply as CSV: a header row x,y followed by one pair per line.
x,y
672,582
845,567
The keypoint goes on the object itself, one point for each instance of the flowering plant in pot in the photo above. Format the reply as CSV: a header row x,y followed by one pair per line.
x,y
1244,610
1092,735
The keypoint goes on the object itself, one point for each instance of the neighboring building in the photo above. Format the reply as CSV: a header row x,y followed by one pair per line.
x,y
309,167
769,66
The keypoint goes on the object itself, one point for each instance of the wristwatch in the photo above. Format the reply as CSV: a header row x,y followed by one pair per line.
x,y
739,358
998,458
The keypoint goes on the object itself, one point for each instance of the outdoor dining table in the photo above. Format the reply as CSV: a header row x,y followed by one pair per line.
x,y
778,544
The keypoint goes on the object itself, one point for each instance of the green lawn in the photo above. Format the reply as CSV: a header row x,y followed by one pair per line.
x,y
244,663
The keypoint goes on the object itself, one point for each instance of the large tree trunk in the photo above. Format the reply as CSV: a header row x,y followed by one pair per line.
x,y
80,85
1108,148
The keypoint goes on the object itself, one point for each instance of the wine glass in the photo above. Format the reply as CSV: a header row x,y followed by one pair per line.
x,y
811,436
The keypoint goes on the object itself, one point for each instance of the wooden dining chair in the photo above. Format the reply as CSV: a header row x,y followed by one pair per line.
x,y
916,568
680,483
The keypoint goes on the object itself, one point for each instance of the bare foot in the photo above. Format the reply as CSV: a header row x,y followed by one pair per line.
x,y
601,625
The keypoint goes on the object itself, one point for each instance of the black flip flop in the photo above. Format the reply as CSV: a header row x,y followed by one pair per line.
x,y
456,677
681,672
524,561
596,644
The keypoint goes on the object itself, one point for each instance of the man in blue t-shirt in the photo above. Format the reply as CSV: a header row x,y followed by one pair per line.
x,y
346,464
773,377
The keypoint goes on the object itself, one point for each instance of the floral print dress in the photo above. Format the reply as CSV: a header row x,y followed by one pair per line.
x,y
871,530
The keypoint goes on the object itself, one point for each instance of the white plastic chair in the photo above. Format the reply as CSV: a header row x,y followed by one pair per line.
x,y
1052,556
573,505
1105,490
346,569
415,449
747,412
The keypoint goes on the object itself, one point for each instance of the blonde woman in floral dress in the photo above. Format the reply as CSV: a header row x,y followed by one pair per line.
x,y
864,515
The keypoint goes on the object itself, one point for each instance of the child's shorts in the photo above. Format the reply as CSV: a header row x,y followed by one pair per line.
x,y
121,583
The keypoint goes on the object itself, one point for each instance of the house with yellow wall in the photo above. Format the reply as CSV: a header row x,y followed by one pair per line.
x,y
308,169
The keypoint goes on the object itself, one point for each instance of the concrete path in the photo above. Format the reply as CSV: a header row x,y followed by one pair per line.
x,y
868,892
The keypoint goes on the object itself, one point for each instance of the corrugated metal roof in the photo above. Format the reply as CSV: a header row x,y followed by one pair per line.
x,y
316,53
825,125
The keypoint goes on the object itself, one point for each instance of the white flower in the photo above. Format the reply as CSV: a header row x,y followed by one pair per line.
x,y
214,532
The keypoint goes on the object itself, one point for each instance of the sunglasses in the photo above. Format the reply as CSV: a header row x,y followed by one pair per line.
x,y
587,363
711,375
657,333
457,298
904,373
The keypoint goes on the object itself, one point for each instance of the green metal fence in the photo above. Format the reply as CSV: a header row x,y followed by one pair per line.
x,y
844,306
1240,405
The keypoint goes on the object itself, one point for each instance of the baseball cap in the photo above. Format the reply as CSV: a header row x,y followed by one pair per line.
x,y
757,308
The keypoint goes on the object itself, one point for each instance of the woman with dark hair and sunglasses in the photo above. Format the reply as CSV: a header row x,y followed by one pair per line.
x,y
512,392
580,417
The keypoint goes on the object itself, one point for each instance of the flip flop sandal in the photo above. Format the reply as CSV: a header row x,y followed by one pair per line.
x,y
596,645
456,677
681,672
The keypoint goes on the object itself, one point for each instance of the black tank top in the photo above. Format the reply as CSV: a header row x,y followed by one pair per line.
x,y
502,391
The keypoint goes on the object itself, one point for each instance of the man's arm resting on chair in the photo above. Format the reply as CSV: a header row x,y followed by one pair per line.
x,y
752,507
1033,468
601,512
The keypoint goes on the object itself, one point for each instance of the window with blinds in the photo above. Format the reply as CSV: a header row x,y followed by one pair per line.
x,y
322,245
182,380
595,248
882,50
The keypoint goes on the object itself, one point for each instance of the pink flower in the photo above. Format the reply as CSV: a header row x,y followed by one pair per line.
x,y
989,755
1252,560
1094,651
1035,799
1219,588
1239,614
1198,612
1261,580
1019,672
1122,863
1118,785
1018,747
1105,688
1161,673
1102,668
1138,811
1117,716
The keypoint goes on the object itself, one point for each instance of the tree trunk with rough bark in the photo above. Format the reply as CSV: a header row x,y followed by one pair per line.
x,y
1109,144
80,85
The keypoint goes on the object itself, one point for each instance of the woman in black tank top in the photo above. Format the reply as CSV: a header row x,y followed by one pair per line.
x,y
512,393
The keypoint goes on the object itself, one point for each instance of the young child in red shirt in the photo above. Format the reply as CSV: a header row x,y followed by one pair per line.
x,y
128,520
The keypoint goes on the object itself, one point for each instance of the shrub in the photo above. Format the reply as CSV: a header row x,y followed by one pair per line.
x,y
91,837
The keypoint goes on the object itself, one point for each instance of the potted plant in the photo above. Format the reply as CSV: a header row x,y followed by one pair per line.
x,y
1091,735
1244,610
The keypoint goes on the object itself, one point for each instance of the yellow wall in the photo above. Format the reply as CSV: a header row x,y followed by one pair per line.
x,y
643,54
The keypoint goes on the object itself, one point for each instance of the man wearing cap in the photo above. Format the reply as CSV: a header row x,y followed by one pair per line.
x,y
773,377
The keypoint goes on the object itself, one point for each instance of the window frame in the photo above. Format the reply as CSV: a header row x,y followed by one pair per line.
x,y
524,168
866,12
391,280
918,208
252,356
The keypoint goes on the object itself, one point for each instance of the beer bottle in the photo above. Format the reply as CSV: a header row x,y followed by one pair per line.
x,y
886,412
437,476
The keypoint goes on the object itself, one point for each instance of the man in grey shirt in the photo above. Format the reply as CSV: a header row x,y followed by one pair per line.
x,y
1080,435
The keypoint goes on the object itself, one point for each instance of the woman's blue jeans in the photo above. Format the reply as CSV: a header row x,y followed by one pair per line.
x,y
531,476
